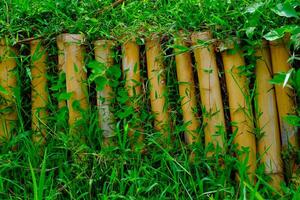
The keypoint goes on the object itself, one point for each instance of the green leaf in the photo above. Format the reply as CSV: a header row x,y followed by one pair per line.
x,y
278,79
180,48
35,187
114,71
285,10
100,83
253,8
3,90
97,67
250,31
280,32
64,96
293,120
122,96
274,35
287,77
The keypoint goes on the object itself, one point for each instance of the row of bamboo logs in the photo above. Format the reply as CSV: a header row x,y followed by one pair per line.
x,y
273,104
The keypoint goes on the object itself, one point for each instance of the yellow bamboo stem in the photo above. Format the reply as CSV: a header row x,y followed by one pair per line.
x,y
284,96
210,90
238,92
131,69
39,91
285,102
8,82
269,146
61,62
187,91
157,81
75,76
104,54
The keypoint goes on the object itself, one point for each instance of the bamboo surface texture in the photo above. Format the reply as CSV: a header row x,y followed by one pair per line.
x,y
187,91
269,146
284,96
158,90
8,82
131,69
39,91
210,90
285,103
237,89
75,76
61,62
104,55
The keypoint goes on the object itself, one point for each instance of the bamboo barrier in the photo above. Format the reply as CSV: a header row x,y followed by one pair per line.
x,y
238,92
158,90
39,90
75,77
269,146
285,101
104,55
8,82
131,69
210,90
187,91
61,62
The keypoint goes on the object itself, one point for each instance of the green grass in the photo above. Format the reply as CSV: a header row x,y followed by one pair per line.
x,y
68,167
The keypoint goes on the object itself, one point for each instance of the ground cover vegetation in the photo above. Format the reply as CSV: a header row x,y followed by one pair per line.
x,y
68,167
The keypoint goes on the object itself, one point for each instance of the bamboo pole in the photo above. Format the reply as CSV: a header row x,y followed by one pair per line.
x,y
269,146
238,95
39,91
61,62
158,90
131,69
75,77
187,90
104,55
8,82
280,56
285,100
210,90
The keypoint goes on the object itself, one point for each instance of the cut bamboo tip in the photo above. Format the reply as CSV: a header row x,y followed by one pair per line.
x,y
210,90
206,35
157,79
74,38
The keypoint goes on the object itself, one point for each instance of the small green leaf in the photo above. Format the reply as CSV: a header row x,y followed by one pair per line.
x,y
285,10
100,83
181,48
3,90
293,120
287,77
64,96
114,71
278,79
97,67
250,31
253,8
274,35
